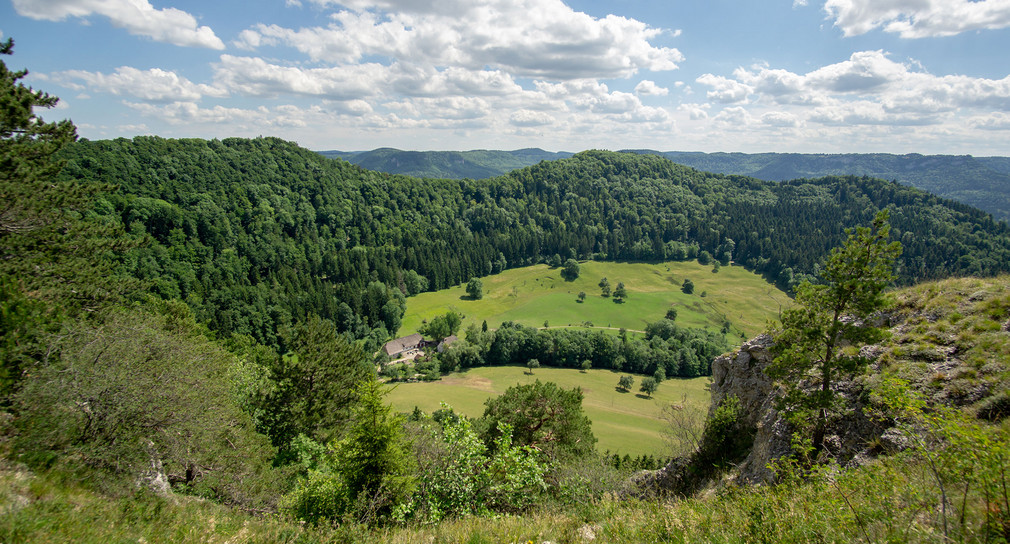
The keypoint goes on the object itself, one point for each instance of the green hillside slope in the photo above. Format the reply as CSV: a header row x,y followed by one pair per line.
x,y
257,234
983,182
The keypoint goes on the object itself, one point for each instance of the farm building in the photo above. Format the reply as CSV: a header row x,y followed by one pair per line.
x,y
403,345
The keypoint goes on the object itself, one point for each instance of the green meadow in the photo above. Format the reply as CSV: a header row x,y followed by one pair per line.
x,y
624,422
537,294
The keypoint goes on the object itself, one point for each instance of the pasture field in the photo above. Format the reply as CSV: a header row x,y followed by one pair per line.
x,y
537,294
624,422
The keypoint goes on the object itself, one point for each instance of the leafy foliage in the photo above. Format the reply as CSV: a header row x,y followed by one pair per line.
x,y
475,288
571,270
313,384
442,326
475,164
460,475
829,316
542,416
680,351
146,394
725,439
648,385
361,477
50,250
620,293
257,234
976,181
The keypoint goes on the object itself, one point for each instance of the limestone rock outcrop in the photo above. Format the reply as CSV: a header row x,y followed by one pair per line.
x,y
741,374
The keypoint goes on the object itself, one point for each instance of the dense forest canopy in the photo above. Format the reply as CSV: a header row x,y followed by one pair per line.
x,y
256,234
474,164
977,181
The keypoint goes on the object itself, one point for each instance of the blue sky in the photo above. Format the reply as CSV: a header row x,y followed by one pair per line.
x,y
813,76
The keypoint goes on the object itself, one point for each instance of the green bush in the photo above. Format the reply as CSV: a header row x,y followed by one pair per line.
x,y
726,438
459,475
994,408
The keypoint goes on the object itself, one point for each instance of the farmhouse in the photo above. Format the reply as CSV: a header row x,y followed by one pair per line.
x,y
404,345
444,344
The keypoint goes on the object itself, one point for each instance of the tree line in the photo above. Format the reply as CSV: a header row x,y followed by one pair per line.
x,y
667,348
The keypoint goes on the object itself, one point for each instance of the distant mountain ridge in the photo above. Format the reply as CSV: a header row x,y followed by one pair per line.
x,y
475,164
983,182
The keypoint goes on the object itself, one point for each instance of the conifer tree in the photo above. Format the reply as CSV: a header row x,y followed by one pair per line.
x,y
44,241
820,334
50,257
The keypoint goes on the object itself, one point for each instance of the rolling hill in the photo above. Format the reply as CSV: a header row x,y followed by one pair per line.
x,y
983,182
476,164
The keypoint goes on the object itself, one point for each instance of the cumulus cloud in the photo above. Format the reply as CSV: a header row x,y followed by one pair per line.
x,y
649,88
897,90
138,17
994,121
780,119
918,18
190,113
528,118
449,108
725,90
696,112
735,117
153,85
256,77
525,38
867,113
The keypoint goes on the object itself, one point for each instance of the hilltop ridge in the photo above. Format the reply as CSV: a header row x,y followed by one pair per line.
x,y
983,182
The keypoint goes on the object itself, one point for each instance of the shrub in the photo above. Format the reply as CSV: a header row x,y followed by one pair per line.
x,y
995,407
725,439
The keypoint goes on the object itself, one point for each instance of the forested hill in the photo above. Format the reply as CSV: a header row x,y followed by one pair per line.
x,y
983,182
475,164
255,234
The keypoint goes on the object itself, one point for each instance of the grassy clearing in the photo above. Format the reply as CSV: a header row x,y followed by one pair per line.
x,y
535,294
622,422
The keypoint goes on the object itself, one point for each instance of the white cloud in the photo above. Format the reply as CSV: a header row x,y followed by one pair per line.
x,y
725,90
734,117
780,119
872,77
234,120
649,88
154,85
138,17
134,128
918,18
525,38
864,71
867,113
256,77
450,108
528,118
696,112
414,80
994,121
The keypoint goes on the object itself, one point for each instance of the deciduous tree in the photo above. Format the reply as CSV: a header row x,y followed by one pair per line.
x,y
571,270
544,416
475,288
648,385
